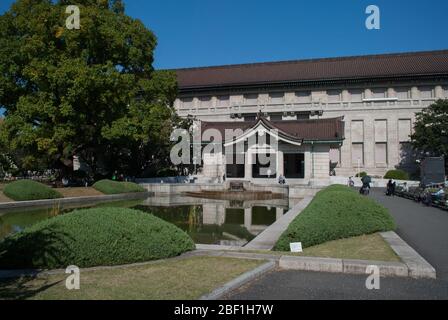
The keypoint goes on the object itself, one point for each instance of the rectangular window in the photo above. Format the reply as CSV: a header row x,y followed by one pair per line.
x,y
235,167
251,98
357,131
205,102
404,130
276,117
402,93
222,101
380,130
356,95
187,102
334,95
303,116
303,96
294,165
358,154
426,92
265,166
381,154
277,97
250,118
379,93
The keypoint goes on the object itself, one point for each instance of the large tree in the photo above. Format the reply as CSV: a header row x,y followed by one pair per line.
x,y
90,92
430,136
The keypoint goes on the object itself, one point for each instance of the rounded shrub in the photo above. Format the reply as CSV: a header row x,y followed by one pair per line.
x,y
116,187
23,190
93,237
361,174
397,175
336,214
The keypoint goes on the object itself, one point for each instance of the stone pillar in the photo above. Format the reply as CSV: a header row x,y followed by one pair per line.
x,y
345,96
391,93
248,218
439,92
280,164
367,94
278,213
248,166
415,93
369,143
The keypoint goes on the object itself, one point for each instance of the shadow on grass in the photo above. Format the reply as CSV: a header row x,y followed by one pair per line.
x,y
45,248
22,289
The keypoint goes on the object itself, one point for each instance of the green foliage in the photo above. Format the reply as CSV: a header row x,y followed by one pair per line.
x,y
23,190
93,237
430,135
361,174
336,213
90,92
397,175
116,187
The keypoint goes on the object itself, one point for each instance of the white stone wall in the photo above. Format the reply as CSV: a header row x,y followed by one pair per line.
x,y
392,104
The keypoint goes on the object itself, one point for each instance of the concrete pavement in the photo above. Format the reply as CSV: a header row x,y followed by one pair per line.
x,y
424,228
302,285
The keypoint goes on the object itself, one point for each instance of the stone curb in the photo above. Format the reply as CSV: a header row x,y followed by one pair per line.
x,y
418,267
317,264
73,200
239,281
348,266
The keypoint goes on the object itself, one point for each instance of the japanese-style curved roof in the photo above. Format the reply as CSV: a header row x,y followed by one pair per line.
x,y
383,66
294,131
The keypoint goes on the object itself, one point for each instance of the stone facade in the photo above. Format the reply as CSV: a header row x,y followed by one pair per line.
x,y
378,117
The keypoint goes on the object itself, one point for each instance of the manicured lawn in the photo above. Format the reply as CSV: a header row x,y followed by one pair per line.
x,y
187,278
365,247
335,213
79,192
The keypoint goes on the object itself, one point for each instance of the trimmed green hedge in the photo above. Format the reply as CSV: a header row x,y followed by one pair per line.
x,y
116,187
361,174
397,175
94,237
336,212
23,190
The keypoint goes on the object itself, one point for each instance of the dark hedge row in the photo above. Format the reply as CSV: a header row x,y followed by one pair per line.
x,y
93,237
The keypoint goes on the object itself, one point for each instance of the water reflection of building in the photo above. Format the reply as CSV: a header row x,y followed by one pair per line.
x,y
255,216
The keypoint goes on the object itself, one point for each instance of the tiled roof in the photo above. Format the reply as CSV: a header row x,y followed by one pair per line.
x,y
331,129
358,67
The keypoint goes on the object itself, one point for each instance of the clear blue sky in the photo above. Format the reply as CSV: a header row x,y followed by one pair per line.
x,y
214,32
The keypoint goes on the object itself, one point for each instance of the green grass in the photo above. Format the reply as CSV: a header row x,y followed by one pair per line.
x,y
365,247
116,187
336,212
93,237
178,279
24,190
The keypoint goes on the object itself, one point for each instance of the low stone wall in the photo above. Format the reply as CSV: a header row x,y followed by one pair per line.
x,y
162,189
376,183
9,206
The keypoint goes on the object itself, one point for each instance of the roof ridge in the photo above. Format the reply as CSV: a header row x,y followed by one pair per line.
x,y
312,60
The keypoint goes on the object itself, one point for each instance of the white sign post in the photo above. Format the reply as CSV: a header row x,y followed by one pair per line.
x,y
296,247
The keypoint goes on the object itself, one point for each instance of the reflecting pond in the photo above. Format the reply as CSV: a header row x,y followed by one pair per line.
x,y
207,221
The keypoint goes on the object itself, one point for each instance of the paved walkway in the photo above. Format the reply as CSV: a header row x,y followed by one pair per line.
x,y
423,228
301,285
